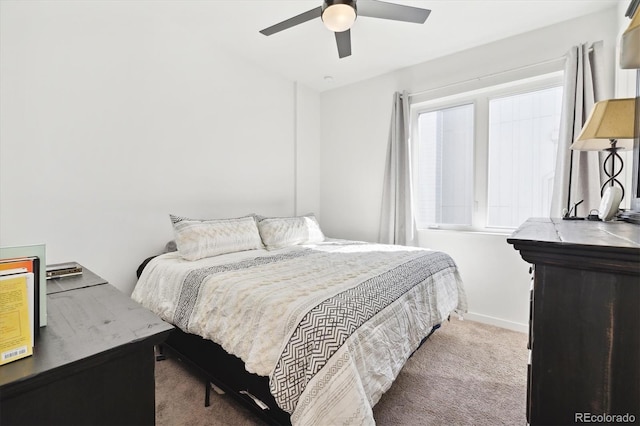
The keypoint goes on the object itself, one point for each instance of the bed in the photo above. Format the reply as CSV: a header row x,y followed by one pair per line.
x,y
304,329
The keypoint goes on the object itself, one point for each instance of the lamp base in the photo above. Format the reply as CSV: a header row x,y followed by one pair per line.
x,y
610,203
613,174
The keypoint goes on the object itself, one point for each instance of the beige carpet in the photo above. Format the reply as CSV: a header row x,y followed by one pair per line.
x,y
466,374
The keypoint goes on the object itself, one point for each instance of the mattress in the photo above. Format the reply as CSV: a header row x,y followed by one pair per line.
x,y
331,324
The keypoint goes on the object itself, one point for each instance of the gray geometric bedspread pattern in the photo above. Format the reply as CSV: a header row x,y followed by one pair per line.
x,y
326,327
194,279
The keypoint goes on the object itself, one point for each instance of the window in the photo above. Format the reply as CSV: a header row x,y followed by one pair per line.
x,y
445,158
486,159
523,137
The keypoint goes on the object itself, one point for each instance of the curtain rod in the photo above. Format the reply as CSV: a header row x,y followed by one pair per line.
x,y
549,61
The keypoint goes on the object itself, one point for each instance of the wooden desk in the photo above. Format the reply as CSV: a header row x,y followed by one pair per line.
x,y
584,331
92,364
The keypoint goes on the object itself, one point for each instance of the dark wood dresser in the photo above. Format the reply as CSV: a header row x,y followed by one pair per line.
x,y
584,330
93,364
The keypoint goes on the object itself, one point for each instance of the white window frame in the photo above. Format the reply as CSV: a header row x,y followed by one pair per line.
x,y
480,99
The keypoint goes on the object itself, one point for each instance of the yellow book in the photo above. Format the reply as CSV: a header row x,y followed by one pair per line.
x,y
16,329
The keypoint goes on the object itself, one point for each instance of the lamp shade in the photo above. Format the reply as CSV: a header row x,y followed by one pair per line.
x,y
339,17
609,120
630,44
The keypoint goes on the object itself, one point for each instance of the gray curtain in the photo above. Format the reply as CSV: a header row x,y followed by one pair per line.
x,y
397,224
578,173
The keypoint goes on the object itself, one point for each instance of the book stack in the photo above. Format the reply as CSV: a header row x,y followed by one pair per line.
x,y
59,270
19,307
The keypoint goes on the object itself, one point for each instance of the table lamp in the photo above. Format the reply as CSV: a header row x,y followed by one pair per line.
x,y
630,43
609,121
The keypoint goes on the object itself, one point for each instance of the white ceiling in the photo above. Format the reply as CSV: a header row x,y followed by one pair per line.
x,y
307,53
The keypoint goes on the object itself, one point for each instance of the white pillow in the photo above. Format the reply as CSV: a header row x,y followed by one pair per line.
x,y
197,239
277,232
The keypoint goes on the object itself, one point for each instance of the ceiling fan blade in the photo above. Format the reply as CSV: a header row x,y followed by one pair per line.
x,y
396,12
292,22
343,40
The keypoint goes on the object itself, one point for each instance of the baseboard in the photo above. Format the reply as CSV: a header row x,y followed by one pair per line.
x,y
510,325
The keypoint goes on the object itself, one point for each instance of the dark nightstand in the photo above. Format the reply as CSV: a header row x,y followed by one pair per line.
x,y
86,279
93,363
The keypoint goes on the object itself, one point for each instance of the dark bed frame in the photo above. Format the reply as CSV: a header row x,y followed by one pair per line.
x,y
208,360
227,372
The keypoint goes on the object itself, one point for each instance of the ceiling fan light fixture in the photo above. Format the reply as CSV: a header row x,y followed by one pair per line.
x,y
339,16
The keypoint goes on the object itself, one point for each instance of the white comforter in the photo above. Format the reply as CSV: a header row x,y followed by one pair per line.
x,y
252,303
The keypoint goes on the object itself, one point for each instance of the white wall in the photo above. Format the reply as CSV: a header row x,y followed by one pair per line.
x,y
355,127
307,166
112,118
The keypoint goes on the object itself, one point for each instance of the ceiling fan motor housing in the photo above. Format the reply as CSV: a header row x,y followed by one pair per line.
x,y
327,3
338,15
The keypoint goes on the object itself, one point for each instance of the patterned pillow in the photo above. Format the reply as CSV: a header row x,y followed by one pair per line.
x,y
197,239
277,232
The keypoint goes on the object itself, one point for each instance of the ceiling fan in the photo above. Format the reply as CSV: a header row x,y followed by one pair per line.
x,y
339,16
